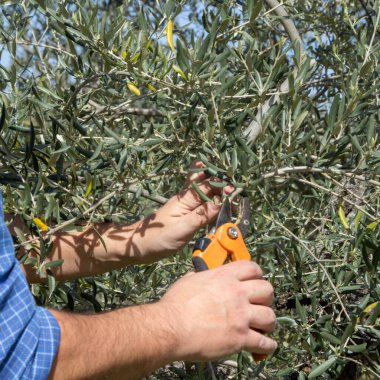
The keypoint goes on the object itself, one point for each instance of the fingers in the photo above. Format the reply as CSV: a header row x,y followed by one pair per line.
x,y
202,215
259,292
195,176
259,343
201,179
243,270
262,318
189,195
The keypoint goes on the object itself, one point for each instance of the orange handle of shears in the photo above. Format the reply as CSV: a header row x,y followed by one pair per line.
x,y
219,248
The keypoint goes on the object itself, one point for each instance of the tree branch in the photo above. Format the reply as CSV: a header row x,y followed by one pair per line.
x,y
254,129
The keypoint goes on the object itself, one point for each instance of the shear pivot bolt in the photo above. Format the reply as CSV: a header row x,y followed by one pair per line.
x,y
233,232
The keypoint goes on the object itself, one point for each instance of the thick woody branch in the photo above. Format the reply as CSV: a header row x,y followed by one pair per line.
x,y
254,129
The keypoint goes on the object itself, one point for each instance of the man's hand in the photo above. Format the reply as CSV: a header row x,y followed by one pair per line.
x,y
155,237
204,316
221,311
174,224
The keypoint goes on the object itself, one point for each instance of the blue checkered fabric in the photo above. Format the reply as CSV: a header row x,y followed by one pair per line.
x,y
29,335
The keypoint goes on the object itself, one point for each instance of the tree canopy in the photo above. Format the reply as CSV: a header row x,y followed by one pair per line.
x,y
104,105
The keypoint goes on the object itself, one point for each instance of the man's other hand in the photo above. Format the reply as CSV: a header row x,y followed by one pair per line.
x,y
174,224
221,311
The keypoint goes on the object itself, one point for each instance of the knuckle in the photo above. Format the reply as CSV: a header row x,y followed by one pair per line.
x,y
239,293
251,267
256,270
271,318
239,319
269,291
262,343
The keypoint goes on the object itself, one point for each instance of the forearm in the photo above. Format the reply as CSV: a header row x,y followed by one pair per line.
x,y
98,249
123,344
105,247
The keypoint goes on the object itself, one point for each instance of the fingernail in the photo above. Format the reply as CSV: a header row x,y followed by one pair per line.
x,y
217,200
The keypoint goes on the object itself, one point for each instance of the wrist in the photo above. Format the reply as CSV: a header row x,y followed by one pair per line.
x,y
162,325
126,244
148,240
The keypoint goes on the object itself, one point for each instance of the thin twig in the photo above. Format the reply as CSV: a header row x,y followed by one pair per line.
x,y
132,189
315,258
337,195
328,170
58,49
253,131
358,197
77,90
372,38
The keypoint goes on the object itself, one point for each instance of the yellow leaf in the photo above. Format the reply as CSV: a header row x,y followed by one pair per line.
x,y
124,55
134,89
40,224
88,190
373,225
151,88
358,218
169,34
342,217
180,72
370,307
136,57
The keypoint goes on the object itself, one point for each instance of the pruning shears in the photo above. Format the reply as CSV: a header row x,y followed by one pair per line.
x,y
225,243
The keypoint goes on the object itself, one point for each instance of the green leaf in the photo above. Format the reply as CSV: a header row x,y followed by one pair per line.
x,y
356,144
79,128
253,8
331,338
357,347
114,30
300,119
371,129
218,184
209,164
209,40
286,321
2,117
51,283
349,330
333,111
55,263
322,368
201,194
183,56
358,217
301,312
364,70
97,152
30,146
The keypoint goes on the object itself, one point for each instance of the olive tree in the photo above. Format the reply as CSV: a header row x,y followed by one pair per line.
x,y
106,103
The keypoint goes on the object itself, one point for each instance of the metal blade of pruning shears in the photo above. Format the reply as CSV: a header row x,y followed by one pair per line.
x,y
225,215
245,217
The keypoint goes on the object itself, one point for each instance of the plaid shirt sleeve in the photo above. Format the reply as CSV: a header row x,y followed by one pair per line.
x,y
29,335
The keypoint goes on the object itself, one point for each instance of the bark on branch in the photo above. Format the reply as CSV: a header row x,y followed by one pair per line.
x,y
252,132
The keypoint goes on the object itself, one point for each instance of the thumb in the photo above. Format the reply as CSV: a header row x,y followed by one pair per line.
x,y
203,215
